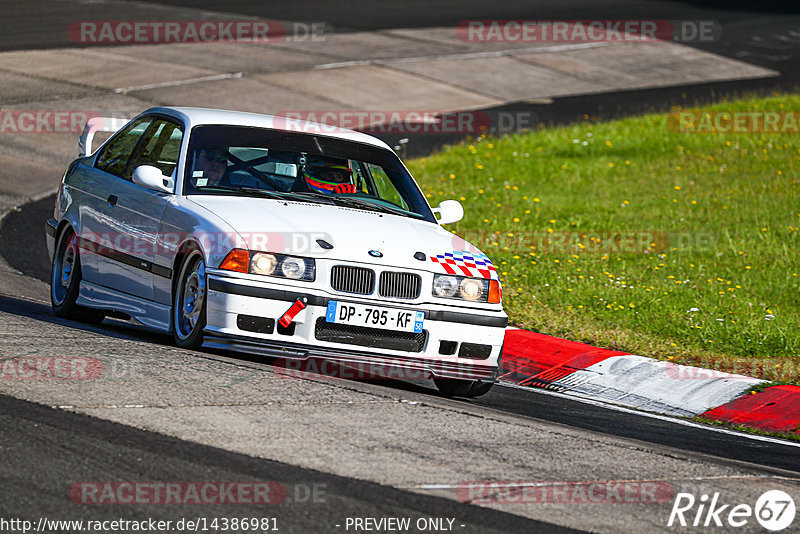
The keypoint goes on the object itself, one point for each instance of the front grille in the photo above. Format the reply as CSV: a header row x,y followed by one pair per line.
x,y
399,285
353,279
375,338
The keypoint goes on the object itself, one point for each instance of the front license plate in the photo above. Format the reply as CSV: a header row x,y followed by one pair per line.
x,y
374,316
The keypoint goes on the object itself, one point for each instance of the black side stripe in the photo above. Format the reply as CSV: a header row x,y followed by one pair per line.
x,y
127,259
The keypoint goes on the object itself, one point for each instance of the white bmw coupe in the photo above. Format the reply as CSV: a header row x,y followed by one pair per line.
x,y
285,239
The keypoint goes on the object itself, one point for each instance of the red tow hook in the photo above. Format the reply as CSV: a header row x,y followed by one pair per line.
x,y
287,318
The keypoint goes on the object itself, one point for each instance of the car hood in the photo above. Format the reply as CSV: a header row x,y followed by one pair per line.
x,y
356,235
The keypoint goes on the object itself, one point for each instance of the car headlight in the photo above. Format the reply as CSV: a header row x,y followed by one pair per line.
x,y
293,267
471,289
445,286
268,264
263,263
465,288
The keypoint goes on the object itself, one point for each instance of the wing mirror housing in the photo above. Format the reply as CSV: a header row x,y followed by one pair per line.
x,y
152,178
94,125
450,211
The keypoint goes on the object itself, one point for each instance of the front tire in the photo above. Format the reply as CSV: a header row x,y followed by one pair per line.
x,y
65,281
189,302
462,388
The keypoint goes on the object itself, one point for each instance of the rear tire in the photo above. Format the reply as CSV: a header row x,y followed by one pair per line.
x,y
462,388
65,281
189,301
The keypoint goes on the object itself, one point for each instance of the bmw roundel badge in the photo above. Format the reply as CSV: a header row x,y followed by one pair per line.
x,y
376,253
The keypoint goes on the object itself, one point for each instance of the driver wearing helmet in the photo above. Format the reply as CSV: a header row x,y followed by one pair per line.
x,y
330,178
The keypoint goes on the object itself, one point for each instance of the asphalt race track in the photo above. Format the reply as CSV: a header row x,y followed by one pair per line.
x,y
96,449
370,449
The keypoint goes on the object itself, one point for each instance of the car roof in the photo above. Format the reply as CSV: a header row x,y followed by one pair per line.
x,y
199,116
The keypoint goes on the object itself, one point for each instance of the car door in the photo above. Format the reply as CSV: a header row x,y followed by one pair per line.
x,y
133,213
98,187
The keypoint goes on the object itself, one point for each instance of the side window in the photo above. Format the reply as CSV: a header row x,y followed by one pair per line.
x,y
385,187
160,148
115,155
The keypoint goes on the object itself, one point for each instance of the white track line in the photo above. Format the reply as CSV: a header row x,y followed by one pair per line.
x,y
466,55
176,83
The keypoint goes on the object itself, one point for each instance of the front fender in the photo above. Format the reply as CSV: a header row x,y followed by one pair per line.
x,y
184,224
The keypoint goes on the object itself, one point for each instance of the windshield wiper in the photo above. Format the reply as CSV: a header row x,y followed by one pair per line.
x,y
266,193
310,196
366,204
281,195
346,201
249,190
357,202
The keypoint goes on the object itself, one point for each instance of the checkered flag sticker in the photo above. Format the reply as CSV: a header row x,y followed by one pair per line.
x,y
466,263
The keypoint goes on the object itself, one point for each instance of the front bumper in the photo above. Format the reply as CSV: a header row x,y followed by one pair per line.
x,y
50,229
231,298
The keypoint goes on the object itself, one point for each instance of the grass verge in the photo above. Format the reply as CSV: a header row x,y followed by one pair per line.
x,y
631,235
791,436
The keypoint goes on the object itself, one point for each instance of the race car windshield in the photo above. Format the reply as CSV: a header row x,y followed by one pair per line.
x,y
238,160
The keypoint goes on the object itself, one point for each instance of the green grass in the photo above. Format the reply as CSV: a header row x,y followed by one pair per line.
x,y
707,221
792,436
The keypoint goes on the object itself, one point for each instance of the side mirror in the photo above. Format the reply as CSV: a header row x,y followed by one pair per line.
x,y
94,125
450,211
152,178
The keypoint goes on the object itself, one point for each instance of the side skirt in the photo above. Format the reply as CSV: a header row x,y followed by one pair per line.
x,y
149,313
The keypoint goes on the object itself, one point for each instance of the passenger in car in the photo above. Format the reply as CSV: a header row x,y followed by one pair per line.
x,y
212,162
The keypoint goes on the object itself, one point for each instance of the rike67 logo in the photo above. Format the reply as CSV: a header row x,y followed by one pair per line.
x,y
774,510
